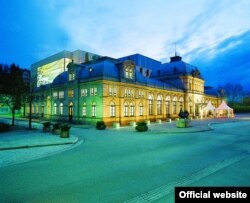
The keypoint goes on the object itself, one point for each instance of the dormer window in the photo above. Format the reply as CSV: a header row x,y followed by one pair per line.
x,y
71,75
129,73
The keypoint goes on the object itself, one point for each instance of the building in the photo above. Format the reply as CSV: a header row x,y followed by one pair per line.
x,y
124,90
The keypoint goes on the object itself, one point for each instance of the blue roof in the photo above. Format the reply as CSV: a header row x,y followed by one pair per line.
x,y
60,79
142,61
211,91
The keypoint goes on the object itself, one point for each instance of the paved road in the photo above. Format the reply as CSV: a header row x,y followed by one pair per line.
x,y
122,165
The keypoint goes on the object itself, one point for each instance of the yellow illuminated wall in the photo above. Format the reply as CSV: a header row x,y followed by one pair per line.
x,y
47,73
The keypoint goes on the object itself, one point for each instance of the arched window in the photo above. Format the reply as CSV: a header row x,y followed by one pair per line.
x,y
150,104
140,109
132,109
94,109
174,105
167,105
61,109
181,102
55,108
159,105
125,109
84,110
112,109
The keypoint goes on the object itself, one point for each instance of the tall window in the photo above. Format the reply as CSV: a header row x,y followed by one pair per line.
x,y
91,91
132,110
174,105
55,95
140,109
159,105
112,109
181,102
167,105
55,108
61,109
94,109
150,104
84,110
95,91
125,109
71,75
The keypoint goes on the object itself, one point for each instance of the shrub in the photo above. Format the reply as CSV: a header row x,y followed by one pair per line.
x,y
4,127
46,124
141,126
65,127
100,125
56,126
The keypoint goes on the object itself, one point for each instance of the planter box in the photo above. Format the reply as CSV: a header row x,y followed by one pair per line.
x,y
132,123
158,121
148,122
116,125
46,129
183,123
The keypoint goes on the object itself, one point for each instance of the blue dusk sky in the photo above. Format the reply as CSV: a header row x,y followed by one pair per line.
x,y
210,34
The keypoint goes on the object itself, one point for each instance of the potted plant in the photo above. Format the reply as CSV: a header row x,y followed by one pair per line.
x,y
46,126
56,128
141,126
65,130
100,125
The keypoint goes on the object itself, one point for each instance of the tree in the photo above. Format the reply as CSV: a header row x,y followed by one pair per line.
x,y
234,92
12,87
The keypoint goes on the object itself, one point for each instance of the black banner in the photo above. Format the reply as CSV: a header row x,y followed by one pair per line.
x,y
212,194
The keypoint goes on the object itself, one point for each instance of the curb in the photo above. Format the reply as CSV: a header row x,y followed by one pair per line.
x,y
40,145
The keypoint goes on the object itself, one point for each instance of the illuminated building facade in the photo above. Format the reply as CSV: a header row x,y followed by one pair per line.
x,y
125,90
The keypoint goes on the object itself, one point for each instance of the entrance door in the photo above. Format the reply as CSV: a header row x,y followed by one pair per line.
x,y
70,111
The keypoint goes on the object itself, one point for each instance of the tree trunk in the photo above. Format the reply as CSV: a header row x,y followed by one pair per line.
x,y
30,114
13,116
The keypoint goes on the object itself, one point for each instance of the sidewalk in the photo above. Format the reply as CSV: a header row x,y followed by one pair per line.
x,y
23,138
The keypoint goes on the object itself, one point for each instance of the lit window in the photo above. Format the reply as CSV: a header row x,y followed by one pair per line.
x,y
132,109
115,91
159,105
61,109
71,75
94,109
84,92
55,108
91,91
112,109
150,105
84,110
126,93
95,91
125,109
174,105
129,73
110,91
70,93
61,94
55,95
140,109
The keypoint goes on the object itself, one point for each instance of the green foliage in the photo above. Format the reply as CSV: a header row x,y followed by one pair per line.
x,y
141,126
100,125
241,108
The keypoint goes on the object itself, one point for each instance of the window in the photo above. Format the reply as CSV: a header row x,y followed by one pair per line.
x,y
125,109
140,94
55,108
115,91
159,105
129,73
112,109
71,75
61,109
126,93
84,92
70,93
84,110
167,105
140,109
61,94
174,105
94,110
181,103
150,104
110,91
55,95
93,91
132,110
